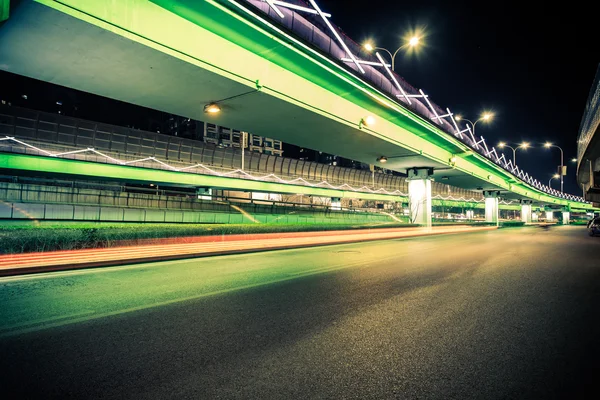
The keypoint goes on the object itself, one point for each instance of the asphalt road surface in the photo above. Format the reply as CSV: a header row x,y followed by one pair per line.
x,y
508,314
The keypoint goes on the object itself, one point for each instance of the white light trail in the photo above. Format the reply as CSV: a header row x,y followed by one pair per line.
x,y
297,7
337,36
274,8
391,75
373,63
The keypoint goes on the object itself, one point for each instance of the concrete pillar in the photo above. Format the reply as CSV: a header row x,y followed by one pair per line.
x,y
566,216
549,216
336,203
526,211
534,217
491,206
419,195
470,214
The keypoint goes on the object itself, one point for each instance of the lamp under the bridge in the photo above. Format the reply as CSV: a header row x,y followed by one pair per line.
x,y
369,120
212,108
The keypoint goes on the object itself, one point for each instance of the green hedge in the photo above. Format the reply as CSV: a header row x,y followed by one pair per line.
x,y
511,224
579,222
437,222
21,238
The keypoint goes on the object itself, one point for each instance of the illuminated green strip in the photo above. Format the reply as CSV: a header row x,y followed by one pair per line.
x,y
4,9
471,204
75,168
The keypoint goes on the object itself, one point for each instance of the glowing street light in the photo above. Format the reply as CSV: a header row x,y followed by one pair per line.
x,y
549,145
573,160
485,117
369,120
212,108
555,176
412,42
524,146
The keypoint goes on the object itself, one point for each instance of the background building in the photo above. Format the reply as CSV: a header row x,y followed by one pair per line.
x,y
227,137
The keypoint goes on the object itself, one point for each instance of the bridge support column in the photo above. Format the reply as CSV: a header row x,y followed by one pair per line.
x,y
526,211
549,216
566,216
419,195
204,193
336,203
492,208
470,214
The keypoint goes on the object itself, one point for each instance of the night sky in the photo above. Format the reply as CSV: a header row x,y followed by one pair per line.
x,y
533,67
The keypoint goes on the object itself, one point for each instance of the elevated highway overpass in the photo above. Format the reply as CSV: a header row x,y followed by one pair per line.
x,y
284,78
588,145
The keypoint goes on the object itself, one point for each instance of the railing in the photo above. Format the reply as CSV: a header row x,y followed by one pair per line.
x,y
13,145
591,118
310,24
139,197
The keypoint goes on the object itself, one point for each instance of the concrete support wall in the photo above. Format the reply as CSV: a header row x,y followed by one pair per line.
x,y
526,213
491,207
336,203
419,196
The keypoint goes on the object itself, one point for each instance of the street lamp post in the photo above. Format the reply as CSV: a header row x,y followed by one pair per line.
x,y
555,176
523,146
412,42
548,145
485,117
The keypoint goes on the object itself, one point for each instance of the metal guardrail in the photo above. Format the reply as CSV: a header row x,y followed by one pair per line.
x,y
136,197
12,145
591,118
310,24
